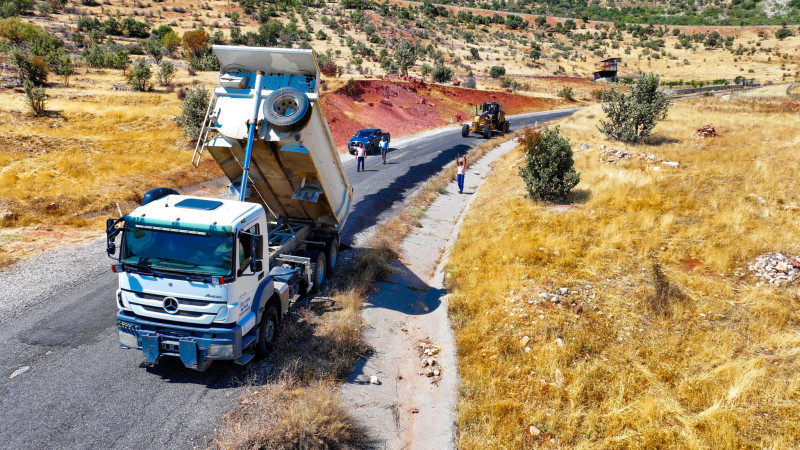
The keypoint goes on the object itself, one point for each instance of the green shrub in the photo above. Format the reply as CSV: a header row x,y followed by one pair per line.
x,y
140,76
405,56
165,74
548,171
632,116
497,71
566,93
36,97
442,73
193,111
30,67
154,48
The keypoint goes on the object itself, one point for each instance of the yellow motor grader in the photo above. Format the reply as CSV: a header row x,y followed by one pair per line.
x,y
489,117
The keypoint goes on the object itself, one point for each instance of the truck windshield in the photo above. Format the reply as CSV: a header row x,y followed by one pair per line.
x,y
364,133
179,252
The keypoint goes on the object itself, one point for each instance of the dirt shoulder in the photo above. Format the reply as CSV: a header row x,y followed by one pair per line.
x,y
408,327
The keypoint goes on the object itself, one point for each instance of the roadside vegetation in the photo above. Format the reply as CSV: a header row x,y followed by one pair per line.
x,y
628,318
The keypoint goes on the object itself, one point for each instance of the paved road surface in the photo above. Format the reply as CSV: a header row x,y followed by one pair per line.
x,y
65,383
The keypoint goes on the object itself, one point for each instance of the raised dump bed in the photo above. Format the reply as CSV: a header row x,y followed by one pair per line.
x,y
295,171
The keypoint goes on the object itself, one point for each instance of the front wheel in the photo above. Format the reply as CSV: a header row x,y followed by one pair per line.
x,y
465,130
487,132
268,331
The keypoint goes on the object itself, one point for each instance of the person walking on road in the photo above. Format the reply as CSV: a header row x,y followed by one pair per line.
x,y
361,155
384,145
461,167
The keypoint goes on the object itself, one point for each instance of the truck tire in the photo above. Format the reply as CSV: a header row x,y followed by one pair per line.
x,y
506,126
333,253
319,269
487,132
287,109
465,130
267,331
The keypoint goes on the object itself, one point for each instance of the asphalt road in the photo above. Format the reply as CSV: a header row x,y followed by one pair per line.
x,y
64,382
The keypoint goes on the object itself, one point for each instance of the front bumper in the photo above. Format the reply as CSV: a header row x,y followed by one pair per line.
x,y
195,346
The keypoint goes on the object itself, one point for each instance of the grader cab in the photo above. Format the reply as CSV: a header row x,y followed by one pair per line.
x,y
489,118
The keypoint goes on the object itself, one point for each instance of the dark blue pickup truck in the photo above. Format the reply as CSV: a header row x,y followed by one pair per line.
x,y
370,137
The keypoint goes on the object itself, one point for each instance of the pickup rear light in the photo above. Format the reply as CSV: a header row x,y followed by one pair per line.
x,y
117,268
217,280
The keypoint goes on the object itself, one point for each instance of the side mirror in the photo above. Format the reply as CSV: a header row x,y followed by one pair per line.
x,y
111,248
256,265
111,234
257,246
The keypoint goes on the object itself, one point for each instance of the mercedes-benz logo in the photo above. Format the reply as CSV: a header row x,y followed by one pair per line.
x,y
170,305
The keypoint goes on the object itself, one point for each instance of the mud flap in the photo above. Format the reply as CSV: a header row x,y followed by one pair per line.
x,y
189,354
150,347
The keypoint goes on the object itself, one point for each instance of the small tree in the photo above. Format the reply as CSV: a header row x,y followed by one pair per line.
x,y
64,67
633,116
36,96
154,48
171,41
405,56
235,17
140,76
497,71
166,72
474,52
193,111
30,67
442,73
548,173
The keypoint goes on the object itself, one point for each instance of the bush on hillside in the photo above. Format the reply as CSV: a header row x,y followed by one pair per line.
x,y
36,97
140,76
442,73
165,74
30,67
193,111
548,171
632,116
405,56
497,71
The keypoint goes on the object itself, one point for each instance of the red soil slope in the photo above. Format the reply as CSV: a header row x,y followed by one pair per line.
x,y
408,107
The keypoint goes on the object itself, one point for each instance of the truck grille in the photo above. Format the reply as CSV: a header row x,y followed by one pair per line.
x,y
179,313
183,301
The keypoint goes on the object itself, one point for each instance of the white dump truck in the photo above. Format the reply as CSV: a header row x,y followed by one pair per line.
x,y
209,279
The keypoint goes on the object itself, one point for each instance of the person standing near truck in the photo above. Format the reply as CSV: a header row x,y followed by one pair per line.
x,y
361,155
384,145
461,167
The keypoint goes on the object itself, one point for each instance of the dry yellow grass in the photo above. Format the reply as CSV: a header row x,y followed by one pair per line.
x,y
717,369
96,148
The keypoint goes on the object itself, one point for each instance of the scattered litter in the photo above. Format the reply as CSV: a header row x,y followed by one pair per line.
x,y
19,371
413,410
374,380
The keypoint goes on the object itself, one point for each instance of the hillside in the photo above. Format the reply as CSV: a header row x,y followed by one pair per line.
x,y
752,12
632,316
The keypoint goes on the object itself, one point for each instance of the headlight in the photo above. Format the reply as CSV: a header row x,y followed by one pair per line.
x,y
128,340
220,351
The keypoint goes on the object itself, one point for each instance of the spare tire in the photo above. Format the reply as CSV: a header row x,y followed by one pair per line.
x,y
287,109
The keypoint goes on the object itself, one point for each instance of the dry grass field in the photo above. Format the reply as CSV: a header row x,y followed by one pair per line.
x,y
605,365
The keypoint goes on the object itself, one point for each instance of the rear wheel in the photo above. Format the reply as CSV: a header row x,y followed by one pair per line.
x,y
333,253
506,126
319,269
487,132
287,109
465,130
268,331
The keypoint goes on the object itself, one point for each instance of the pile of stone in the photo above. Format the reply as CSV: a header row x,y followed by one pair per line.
x,y
706,131
120,87
429,365
776,268
612,156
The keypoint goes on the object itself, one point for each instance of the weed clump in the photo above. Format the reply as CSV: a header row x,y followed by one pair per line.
x,y
663,290
548,170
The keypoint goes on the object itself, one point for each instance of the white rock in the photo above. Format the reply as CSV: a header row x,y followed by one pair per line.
x,y
560,342
374,380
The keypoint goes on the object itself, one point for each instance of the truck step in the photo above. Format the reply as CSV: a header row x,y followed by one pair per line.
x,y
245,358
248,339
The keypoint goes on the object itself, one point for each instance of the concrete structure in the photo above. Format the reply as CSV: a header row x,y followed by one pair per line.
x,y
606,70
